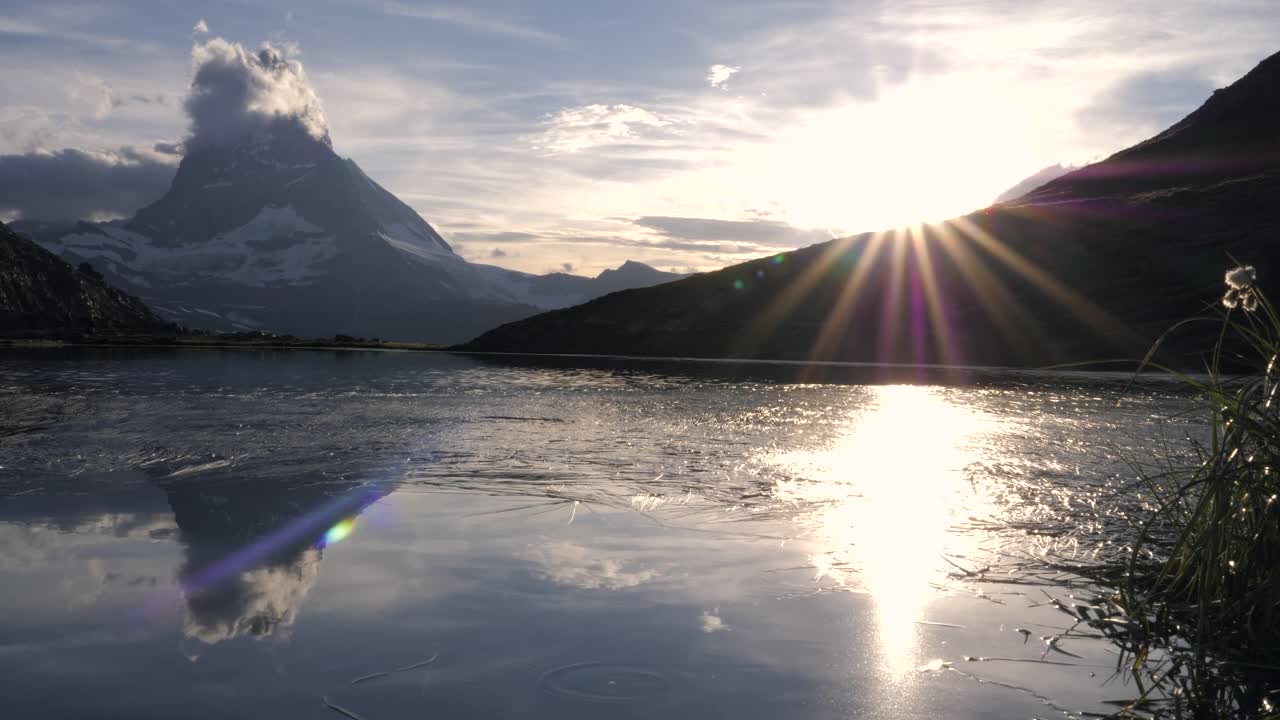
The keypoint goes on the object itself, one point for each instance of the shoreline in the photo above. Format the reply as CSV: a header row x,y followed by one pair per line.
x,y
1107,371
198,343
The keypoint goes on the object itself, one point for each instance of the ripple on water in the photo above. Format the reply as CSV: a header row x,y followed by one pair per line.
x,y
596,682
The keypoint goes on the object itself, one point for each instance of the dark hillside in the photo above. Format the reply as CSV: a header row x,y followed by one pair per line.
x,y
42,295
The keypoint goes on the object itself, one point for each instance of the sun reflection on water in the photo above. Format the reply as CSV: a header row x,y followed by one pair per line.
x,y
884,497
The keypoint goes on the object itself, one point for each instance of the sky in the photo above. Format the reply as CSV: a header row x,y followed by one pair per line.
x,y
576,134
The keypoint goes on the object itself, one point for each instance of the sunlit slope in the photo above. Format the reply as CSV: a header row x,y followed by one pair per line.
x,y
1094,265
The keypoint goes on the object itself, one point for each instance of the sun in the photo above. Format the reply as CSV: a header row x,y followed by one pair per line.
x,y
922,153
932,148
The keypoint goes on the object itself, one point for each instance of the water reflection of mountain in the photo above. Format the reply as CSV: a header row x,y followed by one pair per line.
x,y
252,547
253,550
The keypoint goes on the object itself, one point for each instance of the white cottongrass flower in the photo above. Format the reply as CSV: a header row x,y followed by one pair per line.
x,y
1240,289
1241,277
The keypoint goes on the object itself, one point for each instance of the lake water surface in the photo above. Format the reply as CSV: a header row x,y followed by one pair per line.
x,y
213,534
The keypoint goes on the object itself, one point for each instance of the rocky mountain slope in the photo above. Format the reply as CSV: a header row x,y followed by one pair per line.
x,y
43,296
1093,265
275,231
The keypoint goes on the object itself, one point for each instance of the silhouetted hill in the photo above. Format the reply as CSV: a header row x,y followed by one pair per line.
x,y
43,295
1093,265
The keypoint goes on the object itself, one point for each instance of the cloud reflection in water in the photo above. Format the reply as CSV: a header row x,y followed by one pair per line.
x,y
573,565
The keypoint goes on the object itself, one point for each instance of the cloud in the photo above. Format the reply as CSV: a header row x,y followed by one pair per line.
x,y
708,248
201,27
73,184
147,526
256,603
628,168
574,129
567,267
167,148
58,31
235,93
469,19
718,75
576,566
28,129
508,236
497,253
1145,103
94,92
101,99
826,55
759,232
711,622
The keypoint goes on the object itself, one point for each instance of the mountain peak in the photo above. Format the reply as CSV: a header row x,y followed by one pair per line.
x,y
630,267
278,146
632,274
222,186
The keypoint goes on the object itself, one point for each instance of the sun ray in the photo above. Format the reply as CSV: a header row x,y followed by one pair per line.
x,y
933,295
1078,304
1011,320
797,290
891,307
833,328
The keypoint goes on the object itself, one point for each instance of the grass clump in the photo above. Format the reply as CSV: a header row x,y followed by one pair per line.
x,y
1195,608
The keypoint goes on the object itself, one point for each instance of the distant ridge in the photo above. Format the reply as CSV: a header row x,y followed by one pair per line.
x,y
1093,265
631,275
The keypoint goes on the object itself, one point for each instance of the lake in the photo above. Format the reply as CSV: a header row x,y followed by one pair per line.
x,y
212,534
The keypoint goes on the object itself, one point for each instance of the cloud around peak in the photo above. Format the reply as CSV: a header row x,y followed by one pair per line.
x,y
236,93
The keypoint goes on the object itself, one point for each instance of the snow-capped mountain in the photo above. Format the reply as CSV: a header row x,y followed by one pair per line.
x,y
279,233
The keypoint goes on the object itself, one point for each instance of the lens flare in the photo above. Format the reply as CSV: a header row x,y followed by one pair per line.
x,y
338,532
300,529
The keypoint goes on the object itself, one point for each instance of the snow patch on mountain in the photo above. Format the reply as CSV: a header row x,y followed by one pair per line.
x,y
415,242
256,245
277,246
